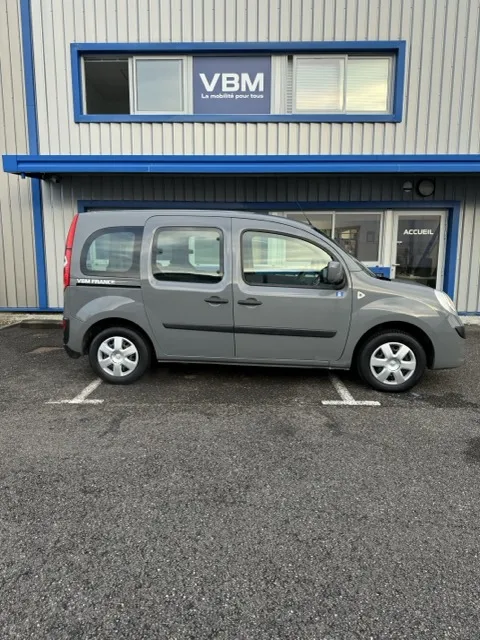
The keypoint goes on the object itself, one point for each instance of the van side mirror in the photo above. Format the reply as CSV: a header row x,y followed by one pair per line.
x,y
335,273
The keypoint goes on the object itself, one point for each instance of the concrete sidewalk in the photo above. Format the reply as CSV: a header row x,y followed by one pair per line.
x,y
31,319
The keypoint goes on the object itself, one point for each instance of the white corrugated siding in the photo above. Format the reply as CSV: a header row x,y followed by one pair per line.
x,y
442,96
61,202
17,255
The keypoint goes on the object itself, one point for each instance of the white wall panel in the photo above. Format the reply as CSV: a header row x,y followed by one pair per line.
x,y
17,254
442,96
61,201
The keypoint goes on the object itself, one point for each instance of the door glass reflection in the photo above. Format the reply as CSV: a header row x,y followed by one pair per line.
x,y
418,239
359,234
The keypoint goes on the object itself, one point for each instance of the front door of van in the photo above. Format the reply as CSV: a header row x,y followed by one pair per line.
x,y
187,285
284,311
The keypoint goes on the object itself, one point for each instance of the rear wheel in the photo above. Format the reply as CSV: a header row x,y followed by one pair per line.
x,y
392,361
119,355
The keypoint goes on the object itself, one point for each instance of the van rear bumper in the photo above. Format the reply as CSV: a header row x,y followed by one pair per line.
x,y
66,338
461,331
71,353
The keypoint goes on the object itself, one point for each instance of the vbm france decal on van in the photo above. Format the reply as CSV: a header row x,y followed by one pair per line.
x,y
95,281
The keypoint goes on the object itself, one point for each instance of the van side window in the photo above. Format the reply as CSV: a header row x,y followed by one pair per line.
x,y
112,251
188,255
283,261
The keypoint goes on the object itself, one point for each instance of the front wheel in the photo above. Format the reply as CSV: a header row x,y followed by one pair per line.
x,y
119,355
392,361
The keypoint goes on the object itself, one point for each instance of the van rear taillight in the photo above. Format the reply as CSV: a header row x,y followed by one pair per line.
x,y
68,252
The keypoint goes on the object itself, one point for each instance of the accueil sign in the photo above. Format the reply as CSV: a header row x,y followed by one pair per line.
x,y
231,84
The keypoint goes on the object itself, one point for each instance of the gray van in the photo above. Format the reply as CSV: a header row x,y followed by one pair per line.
x,y
243,288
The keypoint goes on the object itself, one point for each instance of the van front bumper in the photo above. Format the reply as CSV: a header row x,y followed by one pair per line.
x,y
450,345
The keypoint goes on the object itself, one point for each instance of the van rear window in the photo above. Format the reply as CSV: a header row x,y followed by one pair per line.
x,y
114,252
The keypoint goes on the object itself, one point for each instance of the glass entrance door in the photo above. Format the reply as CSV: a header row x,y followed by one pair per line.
x,y
418,250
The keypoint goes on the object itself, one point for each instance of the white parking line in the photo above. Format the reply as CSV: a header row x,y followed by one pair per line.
x,y
346,397
82,396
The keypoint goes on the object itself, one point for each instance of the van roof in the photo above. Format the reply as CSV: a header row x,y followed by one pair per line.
x,y
143,214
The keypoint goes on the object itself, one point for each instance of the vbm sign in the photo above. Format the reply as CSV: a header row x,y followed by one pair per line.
x,y
236,82
231,85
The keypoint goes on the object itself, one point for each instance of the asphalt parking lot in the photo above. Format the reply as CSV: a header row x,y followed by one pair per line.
x,y
234,503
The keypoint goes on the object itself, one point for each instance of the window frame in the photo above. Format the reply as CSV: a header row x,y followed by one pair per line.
x,y
367,263
187,93
334,213
346,57
395,48
133,273
293,83
84,80
162,281
322,287
392,69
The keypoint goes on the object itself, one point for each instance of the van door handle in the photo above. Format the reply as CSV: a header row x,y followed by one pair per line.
x,y
216,300
250,302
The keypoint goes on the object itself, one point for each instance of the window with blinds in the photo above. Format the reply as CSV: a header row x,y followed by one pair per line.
x,y
339,84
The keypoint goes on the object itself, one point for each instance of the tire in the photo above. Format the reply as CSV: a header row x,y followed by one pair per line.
x,y
119,355
380,360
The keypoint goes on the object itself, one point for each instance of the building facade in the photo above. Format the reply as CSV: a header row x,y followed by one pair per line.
x,y
361,115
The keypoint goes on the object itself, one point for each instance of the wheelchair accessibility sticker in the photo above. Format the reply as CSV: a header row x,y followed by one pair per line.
x,y
340,294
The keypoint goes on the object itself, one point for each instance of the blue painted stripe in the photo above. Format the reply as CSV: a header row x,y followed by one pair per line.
x,y
32,127
340,117
34,165
30,99
399,85
397,48
252,48
453,221
39,241
451,249
77,87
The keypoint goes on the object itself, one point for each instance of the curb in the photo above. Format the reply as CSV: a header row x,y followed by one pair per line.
x,y
39,324
470,321
11,324
30,320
